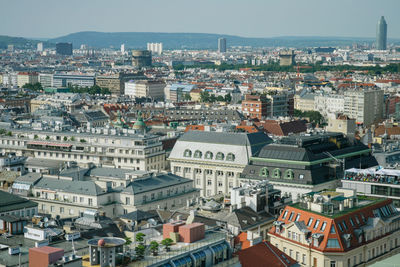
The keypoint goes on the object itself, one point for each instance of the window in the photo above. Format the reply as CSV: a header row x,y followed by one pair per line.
x,y
323,226
264,172
316,224
230,157
310,221
345,225
340,227
209,182
289,234
209,155
333,264
219,183
303,260
127,201
291,216
285,214
61,209
333,231
289,174
220,156
52,208
351,222
71,211
187,153
198,154
90,202
333,243
297,217
277,173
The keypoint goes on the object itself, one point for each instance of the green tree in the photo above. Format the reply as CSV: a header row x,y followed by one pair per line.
x,y
154,247
36,136
187,97
228,97
204,96
140,250
167,242
2,131
82,141
140,237
47,137
9,133
34,87
220,98
65,138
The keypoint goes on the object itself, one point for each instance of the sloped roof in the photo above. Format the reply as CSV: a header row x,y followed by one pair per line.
x,y
77,187
9,202
264,254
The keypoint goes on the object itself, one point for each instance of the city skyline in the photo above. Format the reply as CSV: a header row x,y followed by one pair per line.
x,y
255,19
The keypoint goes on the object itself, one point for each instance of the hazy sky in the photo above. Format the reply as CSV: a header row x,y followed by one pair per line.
x,y
252,18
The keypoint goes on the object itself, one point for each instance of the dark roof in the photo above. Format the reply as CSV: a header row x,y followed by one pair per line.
x,y
10,202
138,215
77,187
246,218
255,140
154,182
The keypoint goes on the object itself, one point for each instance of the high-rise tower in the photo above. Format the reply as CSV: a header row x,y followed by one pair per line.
x,y
221,45
381,34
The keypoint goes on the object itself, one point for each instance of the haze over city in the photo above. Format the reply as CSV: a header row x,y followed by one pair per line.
x,y
255,18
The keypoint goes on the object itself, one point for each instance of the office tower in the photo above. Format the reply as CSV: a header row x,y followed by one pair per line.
x,y
64,49
39,47
123,48
141,58
381,34
221,45
155,48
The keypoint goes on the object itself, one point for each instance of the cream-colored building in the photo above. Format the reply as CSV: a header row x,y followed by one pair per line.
x,y
145,88
109,191
337,229
106,147
215,160
27,77
304,102
341,124
364,105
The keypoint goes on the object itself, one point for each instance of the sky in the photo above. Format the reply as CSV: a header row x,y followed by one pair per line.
x,y
247,18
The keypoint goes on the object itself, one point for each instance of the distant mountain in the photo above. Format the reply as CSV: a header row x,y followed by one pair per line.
x,y
20,42
196,40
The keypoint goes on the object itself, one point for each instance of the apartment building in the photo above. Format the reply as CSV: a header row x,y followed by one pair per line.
x,y
107,147
145,88
46,79
255,106
364,105
27,77
337,229
70,101
70,79
304,102
107,190
116,82
329,104
214,160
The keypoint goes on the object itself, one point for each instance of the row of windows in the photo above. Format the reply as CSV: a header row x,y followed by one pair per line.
x,y
277,173
209,155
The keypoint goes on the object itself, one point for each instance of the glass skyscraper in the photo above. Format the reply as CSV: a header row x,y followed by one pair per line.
x,y
381,34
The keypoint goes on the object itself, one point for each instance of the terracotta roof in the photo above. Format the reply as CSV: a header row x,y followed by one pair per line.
x,y
359,217
283,129
264,254
380,130
248,128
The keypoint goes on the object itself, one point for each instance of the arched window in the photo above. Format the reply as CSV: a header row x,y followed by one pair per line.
x,y
289,174
264,172
209,155
187,153
277,173
220,156
198,154
230,157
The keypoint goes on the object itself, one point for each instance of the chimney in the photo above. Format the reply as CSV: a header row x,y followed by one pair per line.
x,y
341,206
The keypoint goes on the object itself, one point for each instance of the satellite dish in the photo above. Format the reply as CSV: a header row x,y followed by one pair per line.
x,y
46,219
46,225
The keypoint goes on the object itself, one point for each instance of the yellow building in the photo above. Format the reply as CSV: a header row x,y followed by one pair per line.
x,y
27,77
195,95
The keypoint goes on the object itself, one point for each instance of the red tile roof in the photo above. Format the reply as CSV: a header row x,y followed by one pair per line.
x,y
264,254
363,212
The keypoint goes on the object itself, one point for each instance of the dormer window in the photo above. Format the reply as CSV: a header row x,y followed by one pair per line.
x,y
187,153
277,173
209,155
220,156
198,154
289,174
230,157
264,172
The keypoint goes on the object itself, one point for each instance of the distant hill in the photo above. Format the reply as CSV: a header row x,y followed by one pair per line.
x,y
20,42
196,40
